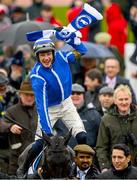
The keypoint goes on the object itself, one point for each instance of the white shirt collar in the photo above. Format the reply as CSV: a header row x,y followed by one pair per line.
x,y
84,172
111,82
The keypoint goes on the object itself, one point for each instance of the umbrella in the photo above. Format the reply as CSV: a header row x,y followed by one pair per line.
x,y
16,33
93,50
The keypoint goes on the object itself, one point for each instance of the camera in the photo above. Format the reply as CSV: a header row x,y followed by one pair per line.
x,y
130,138
133,139
124,139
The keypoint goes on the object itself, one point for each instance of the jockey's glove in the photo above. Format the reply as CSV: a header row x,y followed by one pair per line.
x,y
71,38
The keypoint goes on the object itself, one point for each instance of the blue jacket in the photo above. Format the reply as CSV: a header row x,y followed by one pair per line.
x,y
53,85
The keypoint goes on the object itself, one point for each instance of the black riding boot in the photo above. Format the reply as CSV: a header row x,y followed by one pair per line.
x,y
28,156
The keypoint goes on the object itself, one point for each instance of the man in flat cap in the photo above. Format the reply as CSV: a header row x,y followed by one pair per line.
x,y
88,114
83,167
106,99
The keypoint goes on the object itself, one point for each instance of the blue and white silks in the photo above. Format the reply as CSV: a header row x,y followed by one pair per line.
x,y
87,16
53,85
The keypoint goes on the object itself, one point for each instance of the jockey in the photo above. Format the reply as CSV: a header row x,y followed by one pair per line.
x,y
51,82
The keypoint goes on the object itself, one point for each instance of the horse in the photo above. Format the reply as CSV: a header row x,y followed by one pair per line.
x,y
55,160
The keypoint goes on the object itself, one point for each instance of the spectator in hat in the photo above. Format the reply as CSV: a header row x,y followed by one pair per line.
x,y
83,167
17,14
106,99
24,112
88,114
16,70
8,97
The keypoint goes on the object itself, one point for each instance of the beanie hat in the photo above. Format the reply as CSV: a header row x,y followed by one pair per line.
x,y
18,59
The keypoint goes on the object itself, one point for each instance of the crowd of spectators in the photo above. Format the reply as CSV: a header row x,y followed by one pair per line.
x,y
103,97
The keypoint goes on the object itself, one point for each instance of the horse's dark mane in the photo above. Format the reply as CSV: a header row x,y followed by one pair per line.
x,y
57,143
57,158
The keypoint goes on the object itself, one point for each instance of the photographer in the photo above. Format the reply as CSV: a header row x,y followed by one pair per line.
x,y
119,125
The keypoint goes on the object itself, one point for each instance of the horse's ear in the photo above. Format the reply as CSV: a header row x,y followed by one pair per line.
x,y
67,137
46,138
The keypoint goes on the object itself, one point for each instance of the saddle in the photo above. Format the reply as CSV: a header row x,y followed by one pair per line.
x,y
34,167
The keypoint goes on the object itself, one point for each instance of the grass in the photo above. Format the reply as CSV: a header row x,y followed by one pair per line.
x,y
60,13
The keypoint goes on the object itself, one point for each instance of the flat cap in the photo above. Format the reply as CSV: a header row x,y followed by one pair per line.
x,y
106,90
84,148
77,88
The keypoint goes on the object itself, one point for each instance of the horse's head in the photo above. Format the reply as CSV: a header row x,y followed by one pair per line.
x,y
57,141
58,157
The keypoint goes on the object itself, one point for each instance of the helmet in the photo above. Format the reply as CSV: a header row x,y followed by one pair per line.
x,y
42,45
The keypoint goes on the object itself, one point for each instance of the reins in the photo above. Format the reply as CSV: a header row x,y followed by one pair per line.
x,y
19,124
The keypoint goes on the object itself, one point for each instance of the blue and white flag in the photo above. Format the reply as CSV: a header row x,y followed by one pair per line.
x,y
84,18
35,35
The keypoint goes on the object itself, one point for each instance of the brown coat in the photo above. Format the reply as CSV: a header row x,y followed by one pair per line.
x,y
27,116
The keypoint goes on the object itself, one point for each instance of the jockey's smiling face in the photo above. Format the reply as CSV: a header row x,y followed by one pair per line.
x,y
46,58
